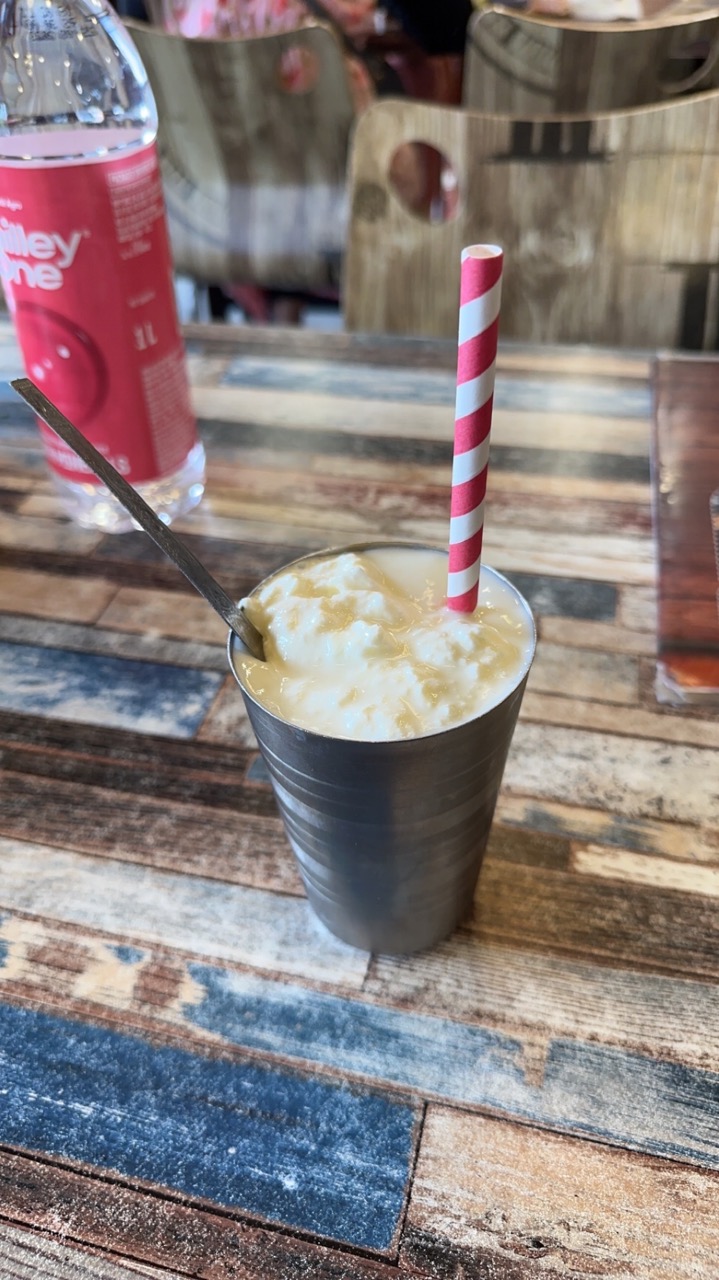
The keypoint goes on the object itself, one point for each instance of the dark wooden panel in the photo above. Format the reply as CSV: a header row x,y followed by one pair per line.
x,y
686,472
152,1229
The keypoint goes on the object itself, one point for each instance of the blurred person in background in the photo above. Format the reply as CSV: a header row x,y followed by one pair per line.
x,y
247,18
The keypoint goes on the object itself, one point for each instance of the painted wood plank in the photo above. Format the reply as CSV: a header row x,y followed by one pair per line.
x,y
18,427
581,488
638,608
577,361
626,436
633,778
150,830
526,997
537,997
27,1255
559,912
491,1198
237,561
147,696
520,1049
201,838
44,535
637,868
205,369
595,495
582,562
151,646
682,840
68,970
609,560
368,382
389,349
400,493
138,764
388,442
208,522
540,553
169,613
584,673
329,378
571,466
146,1229
330,525
566,596
598,635
281,1146
575,546
245,926
566,512
573,712
45,595
10,358
301,340
227,721
8,499
236,522
134,561
584,1087
312,529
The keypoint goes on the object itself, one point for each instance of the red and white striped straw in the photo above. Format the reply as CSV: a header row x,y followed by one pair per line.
x,y
480,292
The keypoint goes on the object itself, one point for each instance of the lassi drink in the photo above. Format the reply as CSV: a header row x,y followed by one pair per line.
x,y
361,645
385,720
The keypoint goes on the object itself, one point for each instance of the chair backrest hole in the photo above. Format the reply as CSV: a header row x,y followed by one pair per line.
x,y
424,181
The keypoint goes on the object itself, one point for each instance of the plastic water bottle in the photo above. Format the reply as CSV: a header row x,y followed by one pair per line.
x,y
85,257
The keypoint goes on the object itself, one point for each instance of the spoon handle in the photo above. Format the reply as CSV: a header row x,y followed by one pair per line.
x,y
168,542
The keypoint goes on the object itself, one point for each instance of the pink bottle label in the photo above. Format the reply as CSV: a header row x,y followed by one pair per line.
x,y
86,267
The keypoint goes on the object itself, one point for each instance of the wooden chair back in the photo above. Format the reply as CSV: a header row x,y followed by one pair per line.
x,y
526,66
610,226
253,142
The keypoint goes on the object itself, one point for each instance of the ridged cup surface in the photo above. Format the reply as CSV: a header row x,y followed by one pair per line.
x,y
389,836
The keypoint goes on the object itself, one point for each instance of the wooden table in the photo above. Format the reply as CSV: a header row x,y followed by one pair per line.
x,y
195,1078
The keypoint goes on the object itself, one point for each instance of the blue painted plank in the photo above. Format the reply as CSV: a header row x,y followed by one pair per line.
x,y
366,382
623,1097
120,693
308,1153
289,442
567,597
662,1107
424,386
126,955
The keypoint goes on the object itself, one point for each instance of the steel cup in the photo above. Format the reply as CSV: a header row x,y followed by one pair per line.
x,y
389,836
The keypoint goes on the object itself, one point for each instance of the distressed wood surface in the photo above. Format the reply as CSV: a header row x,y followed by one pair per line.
x,y
196,1079
524,1203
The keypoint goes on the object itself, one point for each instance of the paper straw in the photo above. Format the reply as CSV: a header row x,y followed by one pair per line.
x,y
480,290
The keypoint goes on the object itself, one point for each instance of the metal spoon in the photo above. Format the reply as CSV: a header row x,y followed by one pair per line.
x,y
168,542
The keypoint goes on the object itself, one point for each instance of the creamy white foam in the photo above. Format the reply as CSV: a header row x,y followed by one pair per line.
x,y
361,645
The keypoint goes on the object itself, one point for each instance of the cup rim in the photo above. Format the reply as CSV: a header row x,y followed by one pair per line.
x,y
375,544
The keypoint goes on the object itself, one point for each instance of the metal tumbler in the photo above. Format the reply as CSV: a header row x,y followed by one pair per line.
x,y
389,836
